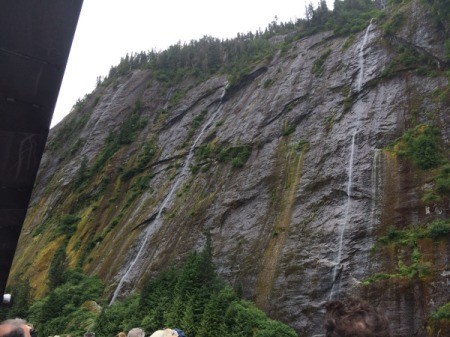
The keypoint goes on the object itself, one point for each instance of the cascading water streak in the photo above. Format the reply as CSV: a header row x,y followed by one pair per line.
x,y
165,202
361,58
375,180
347,212
335,288
104,111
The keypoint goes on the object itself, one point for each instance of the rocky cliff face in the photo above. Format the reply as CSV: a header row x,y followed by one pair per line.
x,y
288,171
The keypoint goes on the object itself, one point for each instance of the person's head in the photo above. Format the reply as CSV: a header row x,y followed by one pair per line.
x,y
354,318
136,332
165,333
170,332
15,328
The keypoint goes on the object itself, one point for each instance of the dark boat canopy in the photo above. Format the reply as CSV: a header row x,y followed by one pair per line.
x,y
35,40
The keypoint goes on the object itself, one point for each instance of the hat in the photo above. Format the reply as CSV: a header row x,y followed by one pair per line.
x,y
180,332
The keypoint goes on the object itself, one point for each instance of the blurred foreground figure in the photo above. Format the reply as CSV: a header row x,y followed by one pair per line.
x,y
354,318
136,332
165,333
15,328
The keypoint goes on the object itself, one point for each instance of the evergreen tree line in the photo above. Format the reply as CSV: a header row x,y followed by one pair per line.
x,y
192,298
210,55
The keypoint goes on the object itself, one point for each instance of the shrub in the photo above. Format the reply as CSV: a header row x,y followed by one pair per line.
x,y
443,180
408,236
438,229
395,22
237,155
421,144
430,197
442,313
145,156
68,224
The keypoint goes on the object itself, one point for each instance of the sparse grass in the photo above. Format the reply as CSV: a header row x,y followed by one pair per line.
x,y
288,129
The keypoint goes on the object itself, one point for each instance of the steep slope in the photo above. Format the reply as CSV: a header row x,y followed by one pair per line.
x,y
288,169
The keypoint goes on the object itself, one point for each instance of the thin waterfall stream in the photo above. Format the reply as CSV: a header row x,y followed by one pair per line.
x,y
335,288
166,201
375,180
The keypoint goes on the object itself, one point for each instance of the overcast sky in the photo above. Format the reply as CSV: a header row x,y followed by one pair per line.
x,y
109,29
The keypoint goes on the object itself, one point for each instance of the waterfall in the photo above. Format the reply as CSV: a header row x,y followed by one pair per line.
x,y
166,201
105,111
338,263
347,212
361,58
375,180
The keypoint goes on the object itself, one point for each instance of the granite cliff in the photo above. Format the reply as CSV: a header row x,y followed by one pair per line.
x,y
299,172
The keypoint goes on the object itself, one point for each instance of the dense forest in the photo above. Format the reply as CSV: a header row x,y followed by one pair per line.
x,y
192,297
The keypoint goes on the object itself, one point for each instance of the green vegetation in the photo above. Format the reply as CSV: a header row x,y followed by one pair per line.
x,y
145,156
301,144
329,120
268,83
416,268
238,56
353,16
201,304
421,145
191,297
177,97
236,155
58,266
348,98
66,308
447,49
20,290
196,123
441,14
443,180
71,128
394,23
139,185
68,225
318,65
442,313
408,238
126,135
288,129
347,17
408,59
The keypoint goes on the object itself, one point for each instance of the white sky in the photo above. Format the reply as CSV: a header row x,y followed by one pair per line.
x,y
108,29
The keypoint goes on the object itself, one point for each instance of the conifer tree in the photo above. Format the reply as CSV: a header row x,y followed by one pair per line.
x,y
56,272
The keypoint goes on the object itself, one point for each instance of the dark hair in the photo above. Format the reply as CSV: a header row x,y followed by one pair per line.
x,y
354,318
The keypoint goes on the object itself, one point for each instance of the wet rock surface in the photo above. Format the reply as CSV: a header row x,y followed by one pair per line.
x,y
284,216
